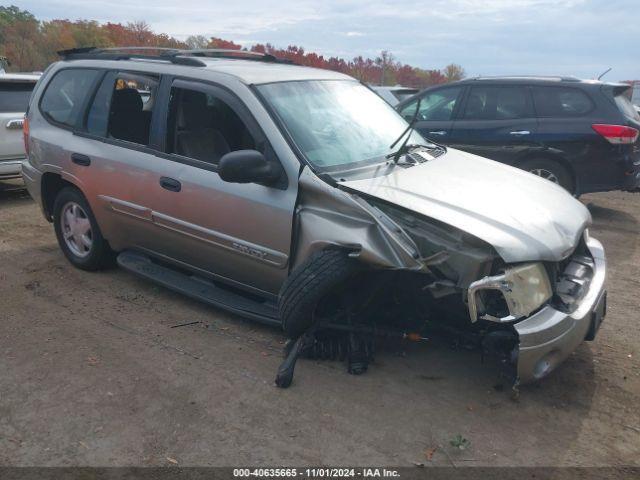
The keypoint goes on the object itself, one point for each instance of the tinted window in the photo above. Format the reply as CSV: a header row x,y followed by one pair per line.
x,y
123,106
435,106
561,102
65,94
14,96
203,127
497,103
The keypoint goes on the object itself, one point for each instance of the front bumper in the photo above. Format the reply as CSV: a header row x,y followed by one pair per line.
x,y
11,168
549,336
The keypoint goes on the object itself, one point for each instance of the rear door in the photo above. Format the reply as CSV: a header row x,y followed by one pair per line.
x,y
497,122
14,99
436,113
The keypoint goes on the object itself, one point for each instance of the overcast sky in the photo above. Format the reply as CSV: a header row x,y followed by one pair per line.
x,y
487,37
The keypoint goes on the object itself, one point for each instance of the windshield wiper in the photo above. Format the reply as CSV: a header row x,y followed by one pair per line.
x,y
401,150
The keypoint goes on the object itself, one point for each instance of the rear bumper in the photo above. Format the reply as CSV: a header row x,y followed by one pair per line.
x,y
11,168
548,337
33,181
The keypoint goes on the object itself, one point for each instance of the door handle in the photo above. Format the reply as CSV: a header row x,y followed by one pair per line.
x,y
438,132
170,184
520,132
15,124
80,159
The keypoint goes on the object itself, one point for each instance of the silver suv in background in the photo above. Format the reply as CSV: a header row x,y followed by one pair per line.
x,y
15,90
298,197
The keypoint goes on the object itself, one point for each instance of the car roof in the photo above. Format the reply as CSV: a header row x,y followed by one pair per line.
x,y
255,72
392,88
532,80
19,77
251,72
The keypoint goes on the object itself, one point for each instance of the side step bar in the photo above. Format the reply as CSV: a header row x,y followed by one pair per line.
x,y
199,288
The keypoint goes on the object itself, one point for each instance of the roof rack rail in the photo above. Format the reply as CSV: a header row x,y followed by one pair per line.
x,y
558,78
229,53
173,55
128,53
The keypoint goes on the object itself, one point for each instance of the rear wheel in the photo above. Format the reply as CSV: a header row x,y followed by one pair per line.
x,y
550,170
78,233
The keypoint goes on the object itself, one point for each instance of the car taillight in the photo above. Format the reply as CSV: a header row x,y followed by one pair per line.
x,y
25,134
617,134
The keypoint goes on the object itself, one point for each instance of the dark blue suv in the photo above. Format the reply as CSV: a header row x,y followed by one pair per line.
x,y
581,134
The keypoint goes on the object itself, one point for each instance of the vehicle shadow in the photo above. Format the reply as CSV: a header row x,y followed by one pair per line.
x,y
13,190
472,397
615,229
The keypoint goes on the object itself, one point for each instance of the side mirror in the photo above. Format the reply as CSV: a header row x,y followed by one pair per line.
x,y
247,166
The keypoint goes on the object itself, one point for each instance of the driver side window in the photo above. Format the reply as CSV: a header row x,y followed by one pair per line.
x,y
203,127
437,105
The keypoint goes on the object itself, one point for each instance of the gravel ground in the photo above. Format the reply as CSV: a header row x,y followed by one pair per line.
x,y
93,374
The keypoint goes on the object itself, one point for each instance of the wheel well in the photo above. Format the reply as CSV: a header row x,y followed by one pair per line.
x,y
553,158
51,185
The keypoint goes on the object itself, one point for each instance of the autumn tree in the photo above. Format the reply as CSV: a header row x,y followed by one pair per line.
x,y
197,41
32,45
453,72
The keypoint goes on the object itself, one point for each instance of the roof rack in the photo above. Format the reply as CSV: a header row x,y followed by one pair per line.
x,y
173,55
556,78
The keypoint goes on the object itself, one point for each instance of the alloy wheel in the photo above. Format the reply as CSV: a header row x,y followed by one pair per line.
x,y
546,174
76,229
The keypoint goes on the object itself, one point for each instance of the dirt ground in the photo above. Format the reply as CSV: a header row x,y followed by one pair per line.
x,y
92,373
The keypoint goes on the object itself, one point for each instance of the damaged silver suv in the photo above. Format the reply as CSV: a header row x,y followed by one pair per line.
x,y
298,197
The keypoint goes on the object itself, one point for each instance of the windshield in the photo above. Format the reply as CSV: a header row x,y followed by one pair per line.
x,y
336,124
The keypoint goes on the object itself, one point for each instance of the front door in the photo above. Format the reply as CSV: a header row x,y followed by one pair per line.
x,y
436,113
240,233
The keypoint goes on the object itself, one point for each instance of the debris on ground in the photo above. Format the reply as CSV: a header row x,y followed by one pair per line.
x,y
460,442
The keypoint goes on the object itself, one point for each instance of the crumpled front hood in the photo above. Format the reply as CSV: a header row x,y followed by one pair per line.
x,y
524,217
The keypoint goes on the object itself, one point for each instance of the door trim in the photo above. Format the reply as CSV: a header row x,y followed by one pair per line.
x,y
212,237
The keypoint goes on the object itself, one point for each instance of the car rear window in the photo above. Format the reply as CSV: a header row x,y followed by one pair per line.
x,y
626,107
561,102
65,94
14,96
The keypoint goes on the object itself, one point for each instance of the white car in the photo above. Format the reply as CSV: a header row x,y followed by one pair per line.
x,y
15,90
394,95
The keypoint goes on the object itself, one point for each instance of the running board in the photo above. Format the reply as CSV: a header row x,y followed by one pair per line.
x,y
199,288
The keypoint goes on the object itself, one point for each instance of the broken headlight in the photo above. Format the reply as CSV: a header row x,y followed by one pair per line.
x,y
524,288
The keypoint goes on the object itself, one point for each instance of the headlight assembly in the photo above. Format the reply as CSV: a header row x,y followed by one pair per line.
x,y
524,288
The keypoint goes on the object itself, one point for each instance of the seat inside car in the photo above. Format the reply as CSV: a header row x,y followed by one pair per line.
x,y
196,135
127,121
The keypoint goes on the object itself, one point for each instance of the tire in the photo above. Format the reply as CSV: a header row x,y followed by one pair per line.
x,y
551,170
78,233
321,274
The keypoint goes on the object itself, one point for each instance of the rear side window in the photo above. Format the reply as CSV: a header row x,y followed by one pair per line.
x,y
65,94
14,96
561,102
498,103
123,106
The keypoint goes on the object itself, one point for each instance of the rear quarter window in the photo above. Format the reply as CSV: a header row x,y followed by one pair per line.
x,y
561,102
626,107
14,96
65,94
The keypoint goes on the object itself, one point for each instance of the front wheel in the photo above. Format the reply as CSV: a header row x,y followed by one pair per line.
x,y
550,170
78,233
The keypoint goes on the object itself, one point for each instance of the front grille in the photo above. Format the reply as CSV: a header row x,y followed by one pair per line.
x,y
571,278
